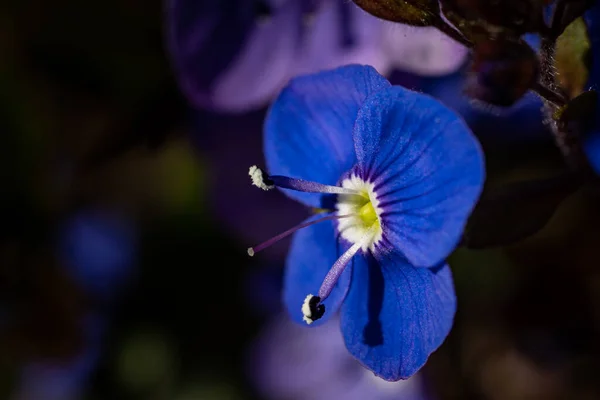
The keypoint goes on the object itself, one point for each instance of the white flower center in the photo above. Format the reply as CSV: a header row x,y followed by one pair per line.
x,y
365,214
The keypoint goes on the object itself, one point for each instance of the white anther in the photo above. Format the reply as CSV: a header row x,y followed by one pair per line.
x,y
306,311
258,178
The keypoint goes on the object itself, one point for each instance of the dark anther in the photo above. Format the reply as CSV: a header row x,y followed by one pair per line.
x,y
316,308
267,181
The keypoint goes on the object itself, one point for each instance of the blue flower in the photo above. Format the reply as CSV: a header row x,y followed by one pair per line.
x,y
400,173
591,144
98,250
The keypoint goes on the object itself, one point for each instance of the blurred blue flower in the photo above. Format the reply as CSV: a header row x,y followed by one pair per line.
x,y
98,248
403,173
289,362
63,379
235,55
522,121
591,144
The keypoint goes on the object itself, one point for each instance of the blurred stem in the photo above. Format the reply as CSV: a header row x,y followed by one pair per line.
x,y
546,86
556,28
565,12
557,99
449,31
547,76
567,140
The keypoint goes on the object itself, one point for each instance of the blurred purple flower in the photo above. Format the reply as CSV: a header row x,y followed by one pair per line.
x,y
423,51
63,379
235,55
98,249
290,362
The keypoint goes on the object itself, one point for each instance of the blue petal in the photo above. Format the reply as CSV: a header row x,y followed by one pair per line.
x,y
396,315
312,253
308,131
427,168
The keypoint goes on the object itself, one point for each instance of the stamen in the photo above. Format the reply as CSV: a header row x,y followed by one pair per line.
x,y
260,179
313,309
308,186
275,239
266,182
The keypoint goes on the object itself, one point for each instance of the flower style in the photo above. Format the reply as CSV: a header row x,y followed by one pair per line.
x,y
399,174
235,55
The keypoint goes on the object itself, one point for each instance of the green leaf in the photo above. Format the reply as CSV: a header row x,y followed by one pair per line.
x,y
572,48
577,116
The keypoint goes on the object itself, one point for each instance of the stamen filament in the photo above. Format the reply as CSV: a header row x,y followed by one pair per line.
x,y
301,185
340,265
266,182
275,239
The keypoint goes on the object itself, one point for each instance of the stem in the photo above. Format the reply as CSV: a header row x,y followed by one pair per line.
x,y
556,28
557,99
567,140
548,46
445,28
565,12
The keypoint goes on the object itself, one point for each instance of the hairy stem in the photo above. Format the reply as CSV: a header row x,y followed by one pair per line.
x,y
549,95
452,33
566,139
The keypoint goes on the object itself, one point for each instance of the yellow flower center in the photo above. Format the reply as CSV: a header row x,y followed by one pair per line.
x,y
364,213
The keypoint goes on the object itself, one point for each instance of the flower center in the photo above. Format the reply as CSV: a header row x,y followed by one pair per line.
x,y
363,211
367,214
358,221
